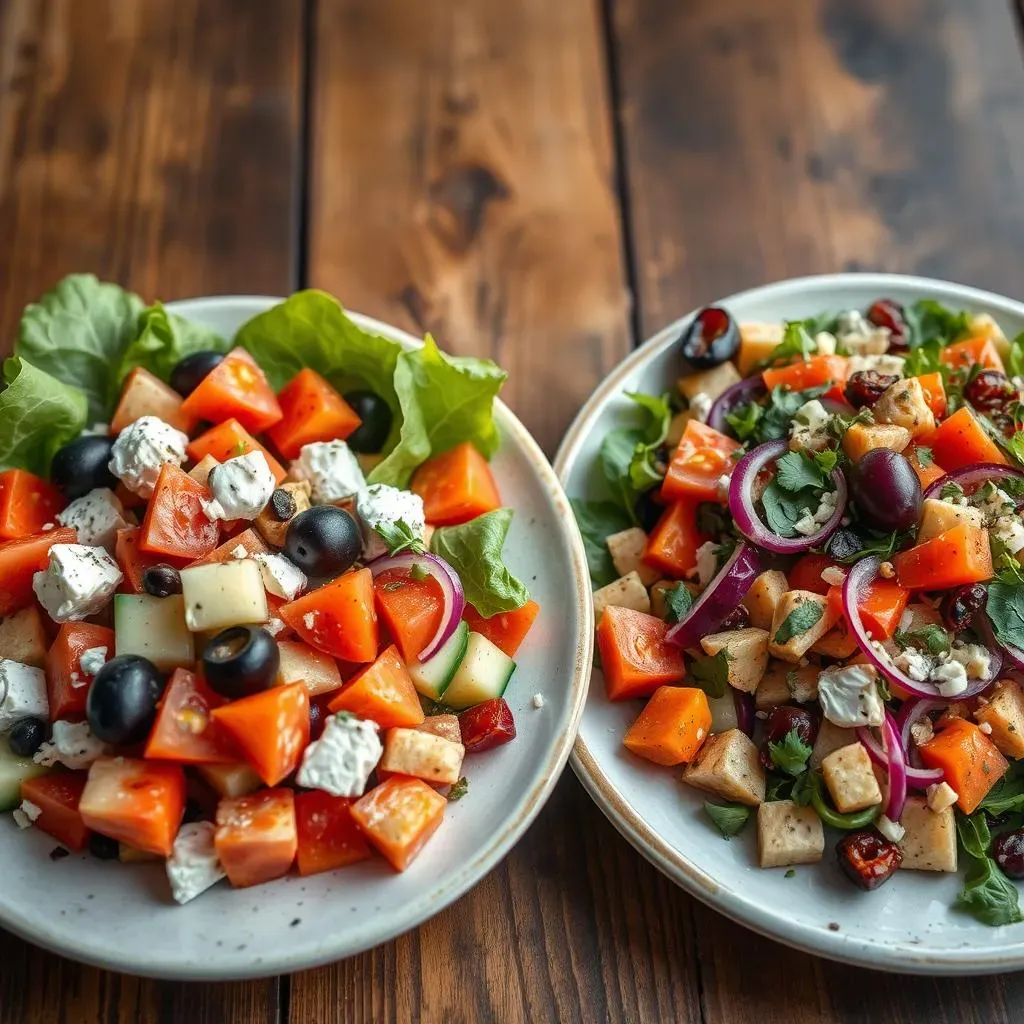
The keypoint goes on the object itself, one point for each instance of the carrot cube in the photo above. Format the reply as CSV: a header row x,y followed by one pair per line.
x,y
398,817
672,726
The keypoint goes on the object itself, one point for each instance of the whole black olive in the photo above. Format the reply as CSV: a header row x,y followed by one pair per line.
x,y
323,541
710,339
376,418
122,701
241,661
190,372
887,491
83,465
104,847
161,580
26,736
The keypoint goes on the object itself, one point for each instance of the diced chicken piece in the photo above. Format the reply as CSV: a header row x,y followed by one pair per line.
x,y
862,438
784,684
1004,713
747,653
728,766
929,840
709,382
830,738
939,516
850,779
764,596
626,592
793,648
904,404
626,549
757,342
788,834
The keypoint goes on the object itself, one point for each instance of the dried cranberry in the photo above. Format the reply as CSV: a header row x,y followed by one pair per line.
x,y
990,391
887,313
738,618
867,859
865,387
1008,850
961,604
782,720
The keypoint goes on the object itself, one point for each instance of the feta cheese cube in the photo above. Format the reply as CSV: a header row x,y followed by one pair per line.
x,y
707,563
241,487
92,660
281,576
950,678
72,745
95,517
788,834
797,645
746,651
331,469
728,766
26,814
859,336
22,693
809,427
141,451
382,505
929,840
892,830
850,779
193,865
891,366
627,551
77,583
340,761
849,697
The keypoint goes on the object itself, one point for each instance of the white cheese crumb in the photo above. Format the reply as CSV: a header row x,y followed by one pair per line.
x,y
700,406
538,700
892,830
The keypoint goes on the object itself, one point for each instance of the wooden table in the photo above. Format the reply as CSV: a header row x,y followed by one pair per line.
x,y
546,182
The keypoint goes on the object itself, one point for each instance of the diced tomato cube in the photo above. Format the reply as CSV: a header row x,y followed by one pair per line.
x,y
20,560
256,837
506,630
312,411
456,486
487,725
184,730
175,522
339,618
383,692
409,609
328,836
27,504
229,440
67,685
236,389
58,795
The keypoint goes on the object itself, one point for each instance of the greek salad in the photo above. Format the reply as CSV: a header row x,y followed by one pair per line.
x,y
807,565
254,612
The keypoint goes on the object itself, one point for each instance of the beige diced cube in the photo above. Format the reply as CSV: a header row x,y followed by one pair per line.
x,y
850,779
838,643
22,637
200,472
830,737
788,834
709,382
626,592
271,528
939,516
983,326
929,840
940,795
1004,712
677,427
797,646
659,606
784,684
728,766
747,653
422,755
764,596
627,549
445,726
757,342
862,438
904,404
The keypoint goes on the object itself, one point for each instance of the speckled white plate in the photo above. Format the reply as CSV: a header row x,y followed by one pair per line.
x,y
907,925
122,917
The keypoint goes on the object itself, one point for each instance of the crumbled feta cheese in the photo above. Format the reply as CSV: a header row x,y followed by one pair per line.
x,y
986,728
381,505
331,469
22,693
193,865
275,626
921,731
700,406
77,583
849,697
833,575
239,551
809,427
975,659
1010,531
891,366
723,487
707,563
950,678
892,830
806,525
825,343
539,701
914,663
93,660
340,762
941,795
95,517
72,744
241,487
993,502
26,814
142,449
281,576
859,336
826,507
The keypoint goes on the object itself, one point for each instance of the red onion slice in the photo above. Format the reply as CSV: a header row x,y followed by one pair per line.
x,y
918,778
451,590
746,714
741,393
720,597
744,512
973,476
897,769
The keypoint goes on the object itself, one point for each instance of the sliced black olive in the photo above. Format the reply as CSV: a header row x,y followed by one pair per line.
x,y
83,465
241,661
103,846
190,372
283,505
26,736
376,417
161,580
122,701
710,339
323,541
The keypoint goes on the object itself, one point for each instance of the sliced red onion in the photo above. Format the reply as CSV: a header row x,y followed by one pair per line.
x,y
918,778
741,393
744,511
745,711
897,769
721,596
451,590
968,477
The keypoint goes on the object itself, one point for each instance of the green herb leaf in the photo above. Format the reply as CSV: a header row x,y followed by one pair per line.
x,y
974,833
1007,795
399,537
791,873
782,509
797,470
884,545
728,818
931,638
924,359
951,492
931,321
163,340
780,409
925,457
458,789
797,343
1005,607
597,521
418,572
711,674
627,454
790,754
798,621
803,788
827,460
1015,360
988,895
678,602
744,419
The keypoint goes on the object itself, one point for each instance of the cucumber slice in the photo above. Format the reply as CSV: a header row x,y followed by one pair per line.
x,y
431,678
483,674
13,771
153,627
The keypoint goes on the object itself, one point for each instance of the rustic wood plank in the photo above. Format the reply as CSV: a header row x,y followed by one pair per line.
x,y
764,141
155,144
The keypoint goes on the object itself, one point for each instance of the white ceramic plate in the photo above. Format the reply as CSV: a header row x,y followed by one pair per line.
x,y
907,925
122,917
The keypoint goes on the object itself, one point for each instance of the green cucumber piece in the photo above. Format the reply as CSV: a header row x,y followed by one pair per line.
x,y
483,674
431,678
13,771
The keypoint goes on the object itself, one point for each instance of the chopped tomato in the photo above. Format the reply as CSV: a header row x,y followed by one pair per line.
x,y
506,630
57,795
456,486
962,441
227,441
184,730
312,411
236,389
383,692
399,816
970,760
806,573
672,545
934,392
256,838
249,540
27,504
635,658
958,556
810,373
328,835
881,605
145,394
926,474
409,609
701,459
175,522
974,351
20,560
134,561
135,802
67,685
487,725
339,618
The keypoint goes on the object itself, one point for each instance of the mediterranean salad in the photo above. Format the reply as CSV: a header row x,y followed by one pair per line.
x,y
807,562
255,613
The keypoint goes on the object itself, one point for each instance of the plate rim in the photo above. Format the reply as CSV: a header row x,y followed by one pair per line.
x,y
491,853
816,940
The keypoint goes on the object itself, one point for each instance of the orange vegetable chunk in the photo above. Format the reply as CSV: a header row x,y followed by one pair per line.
x,y
926,474
971,761
810,373
328,835
961,555
229,440
399,816
635,658
702,457
934,392
961,441
456,486
383,692
672,545
881,605
312,411
145,394
27,504
981,351
409,609
256,838
236,389
506,630
672,726
339,619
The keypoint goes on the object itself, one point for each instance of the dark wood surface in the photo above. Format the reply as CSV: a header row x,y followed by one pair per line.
x,y
545,182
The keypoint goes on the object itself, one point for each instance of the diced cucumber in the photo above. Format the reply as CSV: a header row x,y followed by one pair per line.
x,y
13,771
431,678
153,627
483,674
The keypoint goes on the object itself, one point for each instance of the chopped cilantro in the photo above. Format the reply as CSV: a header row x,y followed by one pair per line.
x,y
1005,608
418,572
678,602
780,409
925,457
931,638
797,470
797,344
711,673
791,873
790,754
744,419
798,621
951,492
458,790
729,818
399,537
783,509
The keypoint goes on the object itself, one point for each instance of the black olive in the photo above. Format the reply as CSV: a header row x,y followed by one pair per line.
x,y
83,465
194,811
282,505
376,417
241,661
26,736
323,541
844,544
104,847
648,511
121,705
161,580
710,338
190,372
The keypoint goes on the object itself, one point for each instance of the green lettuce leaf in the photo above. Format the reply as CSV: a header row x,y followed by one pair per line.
x,y
163,339
597,521
473,550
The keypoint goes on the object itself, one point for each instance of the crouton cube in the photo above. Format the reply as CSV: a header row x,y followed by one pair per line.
x,y
626,592
940,795
939,516
788,834
861,438
709,382
22,637
764,596
1004,713
423,755
747,653
830,737
757,342
273,529
784,684
728,766
850,779
445,726
904,404
929,840
626,549
792,646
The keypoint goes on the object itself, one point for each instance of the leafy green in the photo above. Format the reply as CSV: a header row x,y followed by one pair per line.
x,y
974,833
399,536
1015,360
790,754
931,638
163,339
729,819
678,601
871,543
925,358
597,521
951,491
925,457
473,550
827,460
780,409
711,673
627,453
798,621
458,790
931,321
783,509
744,420
796,470
797,343
1005,607
1007,795
643,470
988,895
